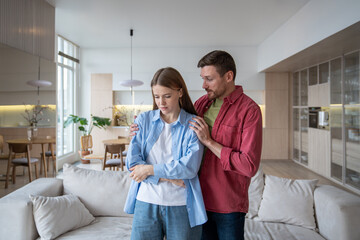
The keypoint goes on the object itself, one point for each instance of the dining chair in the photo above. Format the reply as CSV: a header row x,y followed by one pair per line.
x,y
116,157
48,155
3,155
124,152
26,161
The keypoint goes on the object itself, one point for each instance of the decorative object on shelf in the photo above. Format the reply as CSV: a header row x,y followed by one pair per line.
x,y
124,115
39,83
34,115
86,127
131,83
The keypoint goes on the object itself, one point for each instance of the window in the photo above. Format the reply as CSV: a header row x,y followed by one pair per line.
x,y
67,77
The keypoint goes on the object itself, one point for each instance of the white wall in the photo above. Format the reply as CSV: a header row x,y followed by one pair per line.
x,y
316,21
146,61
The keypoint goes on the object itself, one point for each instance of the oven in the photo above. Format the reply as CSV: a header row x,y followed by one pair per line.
x,y
314,116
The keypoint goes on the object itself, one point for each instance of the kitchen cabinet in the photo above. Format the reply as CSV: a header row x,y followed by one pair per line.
x,y
335,85
319,151
318,90
345,119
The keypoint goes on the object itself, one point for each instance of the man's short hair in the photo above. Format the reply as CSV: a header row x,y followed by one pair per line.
x,y
222,61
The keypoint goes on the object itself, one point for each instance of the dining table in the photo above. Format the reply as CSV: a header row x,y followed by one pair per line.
x,y
38,140
124,140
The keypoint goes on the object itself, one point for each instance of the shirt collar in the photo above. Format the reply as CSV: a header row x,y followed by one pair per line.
x,y
234,95
181,119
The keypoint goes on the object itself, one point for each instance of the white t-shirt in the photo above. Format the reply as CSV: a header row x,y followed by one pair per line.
x,y
164,193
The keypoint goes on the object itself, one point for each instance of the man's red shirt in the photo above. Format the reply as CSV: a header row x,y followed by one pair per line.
x,y
238,128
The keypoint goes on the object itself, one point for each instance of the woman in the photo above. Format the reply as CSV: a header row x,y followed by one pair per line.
x,y
164,158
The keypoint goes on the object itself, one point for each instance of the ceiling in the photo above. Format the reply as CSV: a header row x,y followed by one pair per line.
x,y
171,23
342,42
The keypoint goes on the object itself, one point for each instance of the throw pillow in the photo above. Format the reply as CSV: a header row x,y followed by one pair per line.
x,y
255,193
288,201
56,215
102,192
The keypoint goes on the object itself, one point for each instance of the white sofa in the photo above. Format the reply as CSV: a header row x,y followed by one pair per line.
x,y
103,194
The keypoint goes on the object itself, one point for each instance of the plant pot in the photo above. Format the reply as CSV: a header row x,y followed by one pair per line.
x,y
85,161
82,154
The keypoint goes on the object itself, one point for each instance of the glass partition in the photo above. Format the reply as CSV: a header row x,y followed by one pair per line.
x,y
313,75
351,78
304,122
335,81
304,87
336,142
296,89
324,72
352,145
296,136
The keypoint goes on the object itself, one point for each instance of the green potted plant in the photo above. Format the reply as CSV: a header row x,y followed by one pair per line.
x,y
85,127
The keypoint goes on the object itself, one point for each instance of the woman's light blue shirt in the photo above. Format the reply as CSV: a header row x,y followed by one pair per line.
x,y
187,152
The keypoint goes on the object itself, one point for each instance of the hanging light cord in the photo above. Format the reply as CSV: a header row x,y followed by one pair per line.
x,y
131,35
38,88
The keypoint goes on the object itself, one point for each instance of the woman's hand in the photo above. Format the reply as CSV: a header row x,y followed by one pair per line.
x,y
178,182
141,172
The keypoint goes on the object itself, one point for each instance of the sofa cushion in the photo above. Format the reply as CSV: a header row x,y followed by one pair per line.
x,y
255,193
57,215
102,192
102,228
256,230
288,201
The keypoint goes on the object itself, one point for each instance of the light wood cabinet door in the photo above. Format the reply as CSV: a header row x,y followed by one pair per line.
x,y
324,94
319,151
313,92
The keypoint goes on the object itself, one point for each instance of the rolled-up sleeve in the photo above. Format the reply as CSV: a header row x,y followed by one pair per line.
x,y
135,156
247,160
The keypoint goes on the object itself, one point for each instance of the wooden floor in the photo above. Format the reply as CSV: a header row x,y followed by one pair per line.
x,y
280,168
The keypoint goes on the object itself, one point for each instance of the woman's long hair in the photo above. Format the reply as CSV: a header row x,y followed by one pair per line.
x,y
169,77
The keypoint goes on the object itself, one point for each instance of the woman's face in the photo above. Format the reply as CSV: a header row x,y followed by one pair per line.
x,y
167,99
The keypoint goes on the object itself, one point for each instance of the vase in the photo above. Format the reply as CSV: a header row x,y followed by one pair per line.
x,y
32,132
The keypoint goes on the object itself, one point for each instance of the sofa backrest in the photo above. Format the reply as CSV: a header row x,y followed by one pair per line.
x,y
337,213
102,192
16,208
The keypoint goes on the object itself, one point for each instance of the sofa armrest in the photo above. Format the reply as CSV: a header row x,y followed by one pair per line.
x,y
17,221
337,213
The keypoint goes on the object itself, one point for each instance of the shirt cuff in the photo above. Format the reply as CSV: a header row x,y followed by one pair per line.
x,y
225,157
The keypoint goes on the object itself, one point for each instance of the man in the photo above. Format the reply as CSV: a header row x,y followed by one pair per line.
x,y
229,125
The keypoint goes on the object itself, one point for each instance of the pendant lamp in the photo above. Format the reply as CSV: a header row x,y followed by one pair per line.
x,y
39,83
131,83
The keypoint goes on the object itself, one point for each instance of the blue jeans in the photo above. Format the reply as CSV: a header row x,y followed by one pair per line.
x,y
224,226
154,221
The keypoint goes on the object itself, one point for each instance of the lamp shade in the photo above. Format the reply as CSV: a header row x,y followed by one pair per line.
x,y
131,83
39,83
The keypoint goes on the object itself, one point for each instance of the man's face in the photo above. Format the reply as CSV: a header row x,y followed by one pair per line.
x,y
213,83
